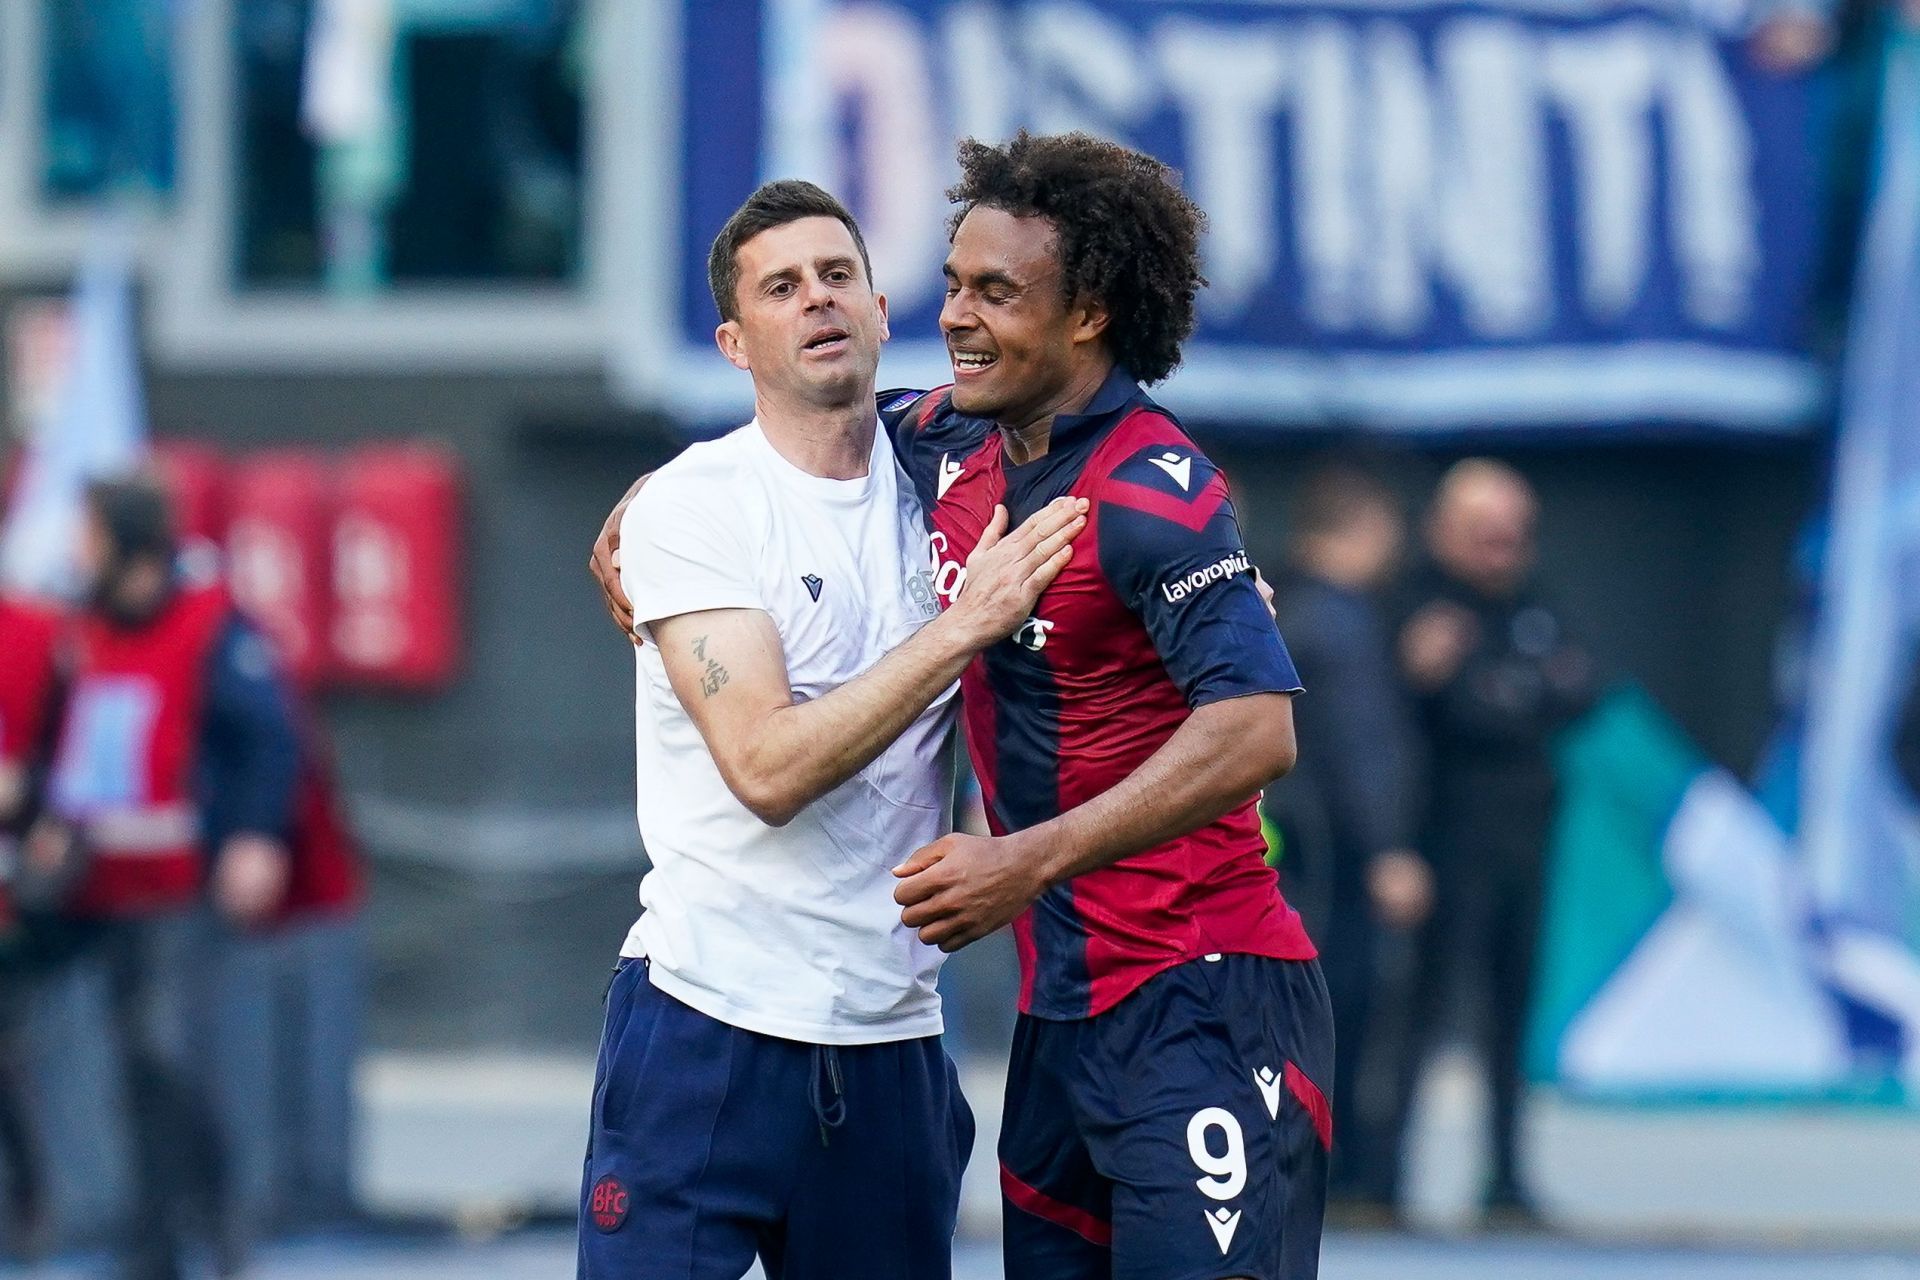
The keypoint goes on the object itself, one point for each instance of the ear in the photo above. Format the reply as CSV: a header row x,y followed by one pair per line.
x,y
1090,318
880,303
732,345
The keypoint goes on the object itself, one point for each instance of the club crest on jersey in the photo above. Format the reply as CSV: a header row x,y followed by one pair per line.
x,y
1033,634
1229,566
812,583
949,472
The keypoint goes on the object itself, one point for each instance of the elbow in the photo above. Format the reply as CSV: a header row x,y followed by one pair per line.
x,y
767,782
773,813
1284,754
766,798
1279,753
1270,747
1252,741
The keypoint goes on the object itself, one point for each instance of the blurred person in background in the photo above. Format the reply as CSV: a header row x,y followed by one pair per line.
x,y
321,991
290,972
1344,810
290,1009
1495,673
29,644
174,745
1793,36
292,978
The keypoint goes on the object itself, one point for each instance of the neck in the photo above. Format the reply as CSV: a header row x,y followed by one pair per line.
x,y
834,443
137,594
1031,437
1483,585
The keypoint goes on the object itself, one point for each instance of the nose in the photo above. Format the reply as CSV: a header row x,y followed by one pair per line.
x,y
956,315
816,294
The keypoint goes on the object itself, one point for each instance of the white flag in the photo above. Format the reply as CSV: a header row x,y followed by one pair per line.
x,y
347,90
95,425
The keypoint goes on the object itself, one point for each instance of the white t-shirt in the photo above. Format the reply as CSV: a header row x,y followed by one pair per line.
x,y
789,931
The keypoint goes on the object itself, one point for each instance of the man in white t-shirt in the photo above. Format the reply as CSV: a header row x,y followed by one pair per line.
x,y
771,1079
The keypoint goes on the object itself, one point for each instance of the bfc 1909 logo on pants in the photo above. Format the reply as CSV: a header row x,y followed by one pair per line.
x,y
608,1203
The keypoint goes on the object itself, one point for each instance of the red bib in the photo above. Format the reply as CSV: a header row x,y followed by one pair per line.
x,y
124,775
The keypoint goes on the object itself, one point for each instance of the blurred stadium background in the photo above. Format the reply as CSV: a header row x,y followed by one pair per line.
x,y
1662,256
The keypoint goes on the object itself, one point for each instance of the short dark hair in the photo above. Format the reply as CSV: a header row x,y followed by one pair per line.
x,y
137,514
1331,495
773,204
1128,235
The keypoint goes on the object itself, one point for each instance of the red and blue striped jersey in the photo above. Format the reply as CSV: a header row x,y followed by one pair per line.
x,y
1156,615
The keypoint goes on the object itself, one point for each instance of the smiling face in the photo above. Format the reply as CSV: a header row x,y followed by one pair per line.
x,y
1015,339
810,325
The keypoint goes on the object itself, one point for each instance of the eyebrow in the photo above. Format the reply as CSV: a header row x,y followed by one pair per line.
x,y
776,276
823,266
983,279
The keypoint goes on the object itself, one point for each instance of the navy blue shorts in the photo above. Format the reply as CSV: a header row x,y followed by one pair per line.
x,y
1181,1135
711,1144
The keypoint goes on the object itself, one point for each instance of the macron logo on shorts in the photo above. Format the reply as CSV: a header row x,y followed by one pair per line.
x,y
1224,1224
1269,1084
1219,571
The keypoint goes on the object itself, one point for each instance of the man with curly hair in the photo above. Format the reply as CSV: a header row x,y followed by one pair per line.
x,y
1164,1113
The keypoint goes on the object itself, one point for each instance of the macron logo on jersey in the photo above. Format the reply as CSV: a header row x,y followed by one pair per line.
x,y
1178,469
949,472
1220,570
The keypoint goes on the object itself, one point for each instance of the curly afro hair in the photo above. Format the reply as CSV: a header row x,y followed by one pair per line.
x,y
1128,235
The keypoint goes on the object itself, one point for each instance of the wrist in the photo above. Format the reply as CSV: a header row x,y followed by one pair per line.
x,y
960,631
1051,852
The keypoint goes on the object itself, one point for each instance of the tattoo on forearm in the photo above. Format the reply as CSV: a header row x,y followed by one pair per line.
x,y
715,676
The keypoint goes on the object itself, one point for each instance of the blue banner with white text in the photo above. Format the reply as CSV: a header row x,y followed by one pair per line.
x,y
1422,215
